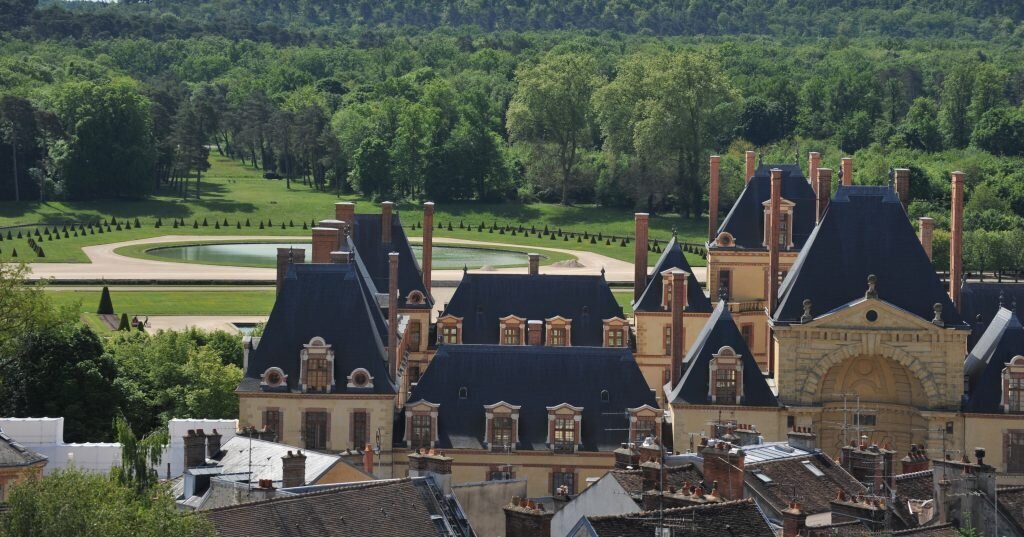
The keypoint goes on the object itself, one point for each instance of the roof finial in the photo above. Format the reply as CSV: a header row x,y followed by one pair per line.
x,y
675,232
892,178
602,272
1002,298
465,269
807,316
760,159
723,293
872,282
937,320
1013,305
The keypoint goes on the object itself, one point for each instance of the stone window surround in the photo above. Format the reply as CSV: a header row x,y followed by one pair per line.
x,y
1013,370
512,321
327,426
447,321
666,288
558,322
264,382
279,434
644,412
725,358
352,427
616,323
1007,449
415,298
317,342
351,376
564,411
421,408
501,409
785,211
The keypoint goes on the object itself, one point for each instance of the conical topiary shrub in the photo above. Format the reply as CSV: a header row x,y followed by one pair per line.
x,y
124,324
106,305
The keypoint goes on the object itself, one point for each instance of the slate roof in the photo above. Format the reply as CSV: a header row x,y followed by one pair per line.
x,y
979,303
912,486
482,299
372,253
388,508
984,366
737,518
632,481
814,493
265,460
14,455
1011,502
672,257
941,530
865,231
330,301
745,221
719,331
534,377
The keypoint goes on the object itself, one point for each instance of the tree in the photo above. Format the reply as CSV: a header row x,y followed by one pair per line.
x,y
957,93
23,306
190,151
74,502
920,127
17,129
1000,131
551,107
139,456
106,305
763,121
124,324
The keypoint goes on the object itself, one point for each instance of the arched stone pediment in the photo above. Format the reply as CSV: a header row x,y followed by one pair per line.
x,y
870,346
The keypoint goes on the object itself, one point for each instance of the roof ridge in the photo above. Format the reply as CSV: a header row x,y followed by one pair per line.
x,y
673,510
342,487
912,475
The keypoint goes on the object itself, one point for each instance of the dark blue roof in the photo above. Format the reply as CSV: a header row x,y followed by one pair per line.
x,y
979,303
330,301
533,377
865,231
672,257
984,366
482,299
719,331
373,253
745,221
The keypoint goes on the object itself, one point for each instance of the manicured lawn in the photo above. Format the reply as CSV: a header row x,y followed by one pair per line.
x,y
238,193
171,302
625,299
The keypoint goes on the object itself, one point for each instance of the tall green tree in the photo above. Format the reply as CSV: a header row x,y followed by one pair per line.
x,y
18,130
957,93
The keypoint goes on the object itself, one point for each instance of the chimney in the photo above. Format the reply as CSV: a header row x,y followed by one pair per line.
x,y
524,518
640,255
346,212
325,241
724,465
716,162
813,163
903,186
339,257
956,237
393,313
385,221
428,243
534,264
213,444
751,166
679,278
871,512
802,438
433,464
533,335
927,226
285,257
368,459
626,457
889,467
195,448
793,520
823,191
650,473
293,469
847,167
340,226
774,209
915,461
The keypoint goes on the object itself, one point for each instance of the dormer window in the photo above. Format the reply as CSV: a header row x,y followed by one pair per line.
x,y
785,237
415,298
450,330
502,428
513,330
643,423
559,331
1013,386
415,335
564,427
616,332
317,366
666,287
725,385
360,378
273,377
421,424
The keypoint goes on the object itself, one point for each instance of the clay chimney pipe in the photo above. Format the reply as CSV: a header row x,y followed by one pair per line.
x,y
640,255
385,221
823,190
813,163
368,459
927,226
847,164
393,313
716,162
428,243
750,160
956,237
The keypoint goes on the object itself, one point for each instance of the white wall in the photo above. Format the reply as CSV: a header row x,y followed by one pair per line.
x,y
605,497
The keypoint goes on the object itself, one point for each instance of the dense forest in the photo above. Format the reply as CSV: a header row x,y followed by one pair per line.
x,y
609,102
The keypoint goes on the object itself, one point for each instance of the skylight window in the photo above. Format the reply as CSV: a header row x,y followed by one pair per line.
x,y
764,478
813,469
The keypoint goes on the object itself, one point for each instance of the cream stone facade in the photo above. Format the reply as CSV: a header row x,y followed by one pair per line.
x,y
653,344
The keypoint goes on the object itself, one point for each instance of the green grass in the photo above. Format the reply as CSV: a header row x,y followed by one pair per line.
x,y
235,192
144,302
625,299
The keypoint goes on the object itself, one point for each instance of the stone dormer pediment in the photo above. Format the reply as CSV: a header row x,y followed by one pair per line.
x,y
865,314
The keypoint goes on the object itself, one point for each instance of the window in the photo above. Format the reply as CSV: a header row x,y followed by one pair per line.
x,y
272,422
725,385
563,479
1015,395
511,335
605,397
316,374
315,430
556,337
645,427
616,337
449,334
868,420
421,431
814,470
414,374
463,392
502,474
790,421
747,331
783,230
503,435
565,434
360,429
667,339
415,335
1014,452
725,283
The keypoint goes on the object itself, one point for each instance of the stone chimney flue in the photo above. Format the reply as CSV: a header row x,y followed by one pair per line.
x,y
534,263
213,444
902,184
813,163
293,469
386,209
524,518
195,448
715,169
750,166
428,243
847,167
925,233
640,255
956,237
393,313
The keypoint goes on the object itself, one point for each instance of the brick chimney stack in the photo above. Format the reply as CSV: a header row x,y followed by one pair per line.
x,y
524,518
640,255
533,332
716,162
393,313
750,161
385,221
213,444
725,466
902,182
285,257
325,241
428,243
823,190
774,216
813,163
650,475
802,438
195,448
346,212
293,469
915,461
956,237
927,226
793,520
679,281
847,166
534,263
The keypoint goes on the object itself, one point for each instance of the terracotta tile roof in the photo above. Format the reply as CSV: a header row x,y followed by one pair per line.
x,y
791,476
1011,501
737,518
632,480
943,530
915,486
